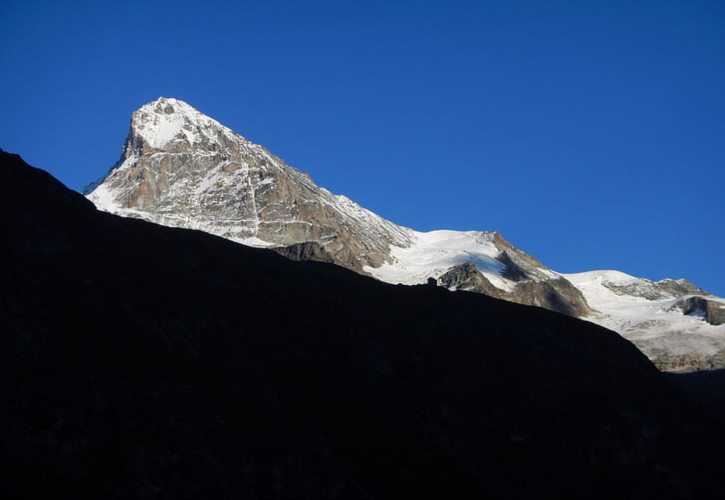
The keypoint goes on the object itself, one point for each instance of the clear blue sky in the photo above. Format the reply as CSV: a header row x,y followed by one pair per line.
x,y
591,134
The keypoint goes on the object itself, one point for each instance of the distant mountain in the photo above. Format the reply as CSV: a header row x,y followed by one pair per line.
x,y
675,323
181,168
140,361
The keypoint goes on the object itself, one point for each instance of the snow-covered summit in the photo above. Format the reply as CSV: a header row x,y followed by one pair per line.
x,y
167,119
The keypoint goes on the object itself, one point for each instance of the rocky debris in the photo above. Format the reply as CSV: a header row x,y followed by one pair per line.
x,y
710,310
555,294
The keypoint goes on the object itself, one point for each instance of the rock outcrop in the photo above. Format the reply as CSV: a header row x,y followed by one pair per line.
x,y
654,290
468,278
555,294
710,310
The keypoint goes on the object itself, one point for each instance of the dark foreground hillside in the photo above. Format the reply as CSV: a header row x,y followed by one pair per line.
x,y
138,361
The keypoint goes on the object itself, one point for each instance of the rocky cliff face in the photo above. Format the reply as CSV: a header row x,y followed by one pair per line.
x,y
710,310
181,168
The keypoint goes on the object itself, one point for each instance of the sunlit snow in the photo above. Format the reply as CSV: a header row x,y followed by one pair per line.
x,y
433,253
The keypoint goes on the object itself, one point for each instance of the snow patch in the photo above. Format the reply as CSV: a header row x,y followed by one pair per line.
x,y
161,129
432,254
104,199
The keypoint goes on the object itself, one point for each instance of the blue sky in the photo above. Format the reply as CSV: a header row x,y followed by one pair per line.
x,y
591,134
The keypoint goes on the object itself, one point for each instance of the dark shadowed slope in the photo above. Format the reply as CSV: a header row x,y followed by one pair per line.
x,y
139,361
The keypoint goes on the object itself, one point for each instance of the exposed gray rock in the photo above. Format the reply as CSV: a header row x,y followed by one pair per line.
x,y
655,290
467,277
710,310
513,271
555,294
504,244
519,264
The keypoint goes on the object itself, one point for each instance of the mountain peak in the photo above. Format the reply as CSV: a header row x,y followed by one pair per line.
x,y
167,120
182,168
172,100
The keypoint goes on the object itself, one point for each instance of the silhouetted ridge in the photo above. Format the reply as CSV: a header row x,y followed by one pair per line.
x,y
141,361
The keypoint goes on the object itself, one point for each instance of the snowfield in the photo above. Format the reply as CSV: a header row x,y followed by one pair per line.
x,y
433,253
